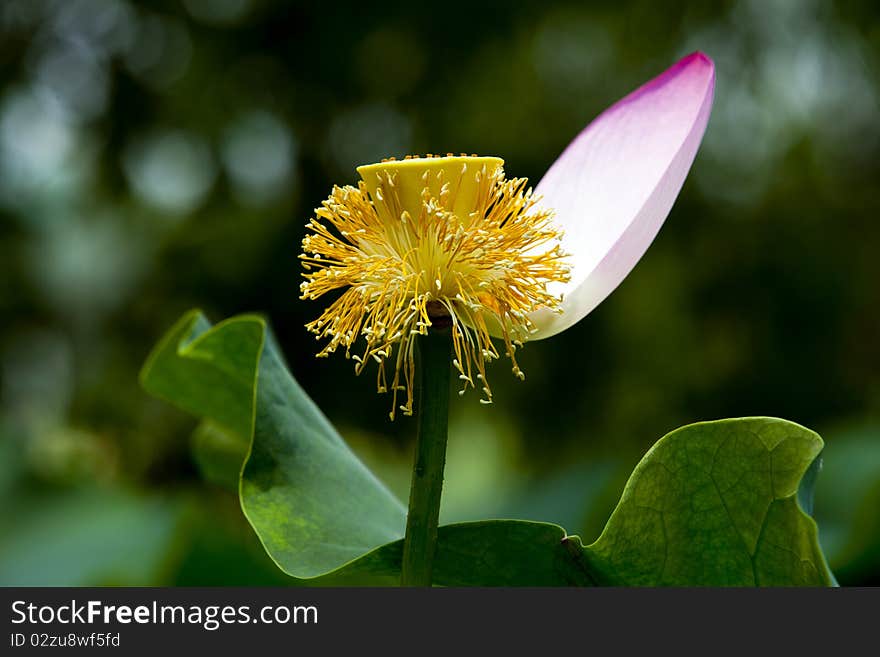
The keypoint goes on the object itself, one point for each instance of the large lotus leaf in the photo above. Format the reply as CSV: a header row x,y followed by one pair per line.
x,y
718,503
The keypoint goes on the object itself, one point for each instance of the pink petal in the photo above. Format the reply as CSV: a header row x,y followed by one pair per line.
x,y
613,186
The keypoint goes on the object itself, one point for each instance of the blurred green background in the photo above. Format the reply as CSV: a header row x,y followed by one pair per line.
x,y
156,156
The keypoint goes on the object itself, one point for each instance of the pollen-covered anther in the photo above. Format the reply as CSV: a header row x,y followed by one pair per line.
x,y
428,242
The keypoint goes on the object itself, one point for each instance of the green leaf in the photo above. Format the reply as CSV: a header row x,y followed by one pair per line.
x,y
486,553
716,503
313,504
209,373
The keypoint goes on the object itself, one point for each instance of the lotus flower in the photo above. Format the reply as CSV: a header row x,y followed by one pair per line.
x,y
448,241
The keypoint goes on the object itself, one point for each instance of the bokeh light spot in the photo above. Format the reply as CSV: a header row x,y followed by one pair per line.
x,y
171,171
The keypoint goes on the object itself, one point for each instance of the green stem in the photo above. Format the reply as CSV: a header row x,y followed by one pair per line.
x,y
420,543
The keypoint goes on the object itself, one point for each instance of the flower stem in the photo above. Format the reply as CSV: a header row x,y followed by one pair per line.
x,y
420,543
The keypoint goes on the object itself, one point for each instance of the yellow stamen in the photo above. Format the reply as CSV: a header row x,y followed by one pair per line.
x,y
429,241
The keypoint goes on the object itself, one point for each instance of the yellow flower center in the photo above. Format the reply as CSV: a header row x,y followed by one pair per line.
x,y
431,241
